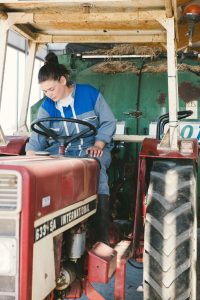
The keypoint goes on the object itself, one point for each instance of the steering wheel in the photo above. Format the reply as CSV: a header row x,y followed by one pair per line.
x,y
63,140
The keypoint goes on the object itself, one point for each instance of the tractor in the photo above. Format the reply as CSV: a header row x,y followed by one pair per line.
x,y
48,247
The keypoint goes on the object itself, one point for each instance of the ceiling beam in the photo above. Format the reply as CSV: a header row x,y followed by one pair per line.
x,y
19,18
108,32
100,26
122,3
64,17
159,38
25,32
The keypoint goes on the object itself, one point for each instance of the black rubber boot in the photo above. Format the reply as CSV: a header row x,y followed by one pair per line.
x,y
103,218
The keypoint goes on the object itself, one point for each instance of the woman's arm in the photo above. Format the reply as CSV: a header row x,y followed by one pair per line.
x,y
107,122
37,142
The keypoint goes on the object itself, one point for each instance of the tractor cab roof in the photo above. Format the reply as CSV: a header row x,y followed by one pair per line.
x,y
101,21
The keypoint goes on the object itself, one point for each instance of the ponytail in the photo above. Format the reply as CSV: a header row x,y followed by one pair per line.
x,y
52,70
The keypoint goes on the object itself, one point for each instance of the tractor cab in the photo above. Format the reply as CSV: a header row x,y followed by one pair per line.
x,y
137,55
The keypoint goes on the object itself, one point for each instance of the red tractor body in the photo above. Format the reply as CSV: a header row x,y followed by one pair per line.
x,y
40,199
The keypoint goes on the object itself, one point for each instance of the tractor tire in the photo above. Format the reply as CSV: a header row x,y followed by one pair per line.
x,y
170,238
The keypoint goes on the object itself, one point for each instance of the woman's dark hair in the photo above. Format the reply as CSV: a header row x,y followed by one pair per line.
x,y
52,70
51,58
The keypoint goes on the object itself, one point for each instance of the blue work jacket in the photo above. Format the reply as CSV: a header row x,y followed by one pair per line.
x,y
88,105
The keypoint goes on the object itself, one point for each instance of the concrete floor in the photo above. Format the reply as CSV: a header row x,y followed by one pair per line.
x,y
198,265
134,281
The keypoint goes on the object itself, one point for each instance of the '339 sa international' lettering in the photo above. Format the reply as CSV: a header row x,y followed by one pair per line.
x,y
54,224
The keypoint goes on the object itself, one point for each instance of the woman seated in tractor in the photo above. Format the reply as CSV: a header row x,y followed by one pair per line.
x,y
83,102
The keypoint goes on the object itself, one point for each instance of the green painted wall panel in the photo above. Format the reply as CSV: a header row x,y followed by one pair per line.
x,y
120,90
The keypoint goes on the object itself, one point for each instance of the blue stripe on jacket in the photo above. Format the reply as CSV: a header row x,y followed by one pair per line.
x,y
84,101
